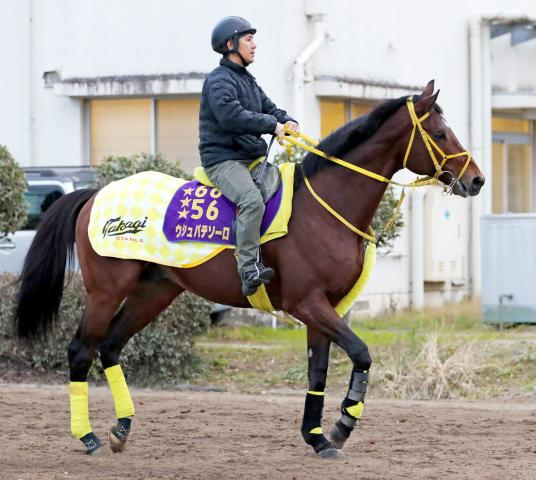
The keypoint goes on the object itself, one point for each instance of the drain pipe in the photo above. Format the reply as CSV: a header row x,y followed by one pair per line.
x,y
27,83
320,35
480,130
487,141
417,249
477,139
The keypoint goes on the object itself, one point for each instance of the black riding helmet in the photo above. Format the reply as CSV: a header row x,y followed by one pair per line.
x,y
229,28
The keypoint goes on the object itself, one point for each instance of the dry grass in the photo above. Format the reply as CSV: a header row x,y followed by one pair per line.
x,y
433,372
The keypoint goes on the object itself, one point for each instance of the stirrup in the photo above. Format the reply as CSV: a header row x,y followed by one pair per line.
x,y
252,279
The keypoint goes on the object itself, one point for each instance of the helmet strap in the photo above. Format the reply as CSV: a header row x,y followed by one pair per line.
x,y
244,62
235,39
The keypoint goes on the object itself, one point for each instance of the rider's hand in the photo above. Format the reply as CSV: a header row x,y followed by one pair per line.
x,y
279,131
293,126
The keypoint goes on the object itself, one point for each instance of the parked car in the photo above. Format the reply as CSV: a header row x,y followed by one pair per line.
x,y
45,186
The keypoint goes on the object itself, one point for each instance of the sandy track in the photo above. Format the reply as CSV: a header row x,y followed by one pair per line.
x,y
228,436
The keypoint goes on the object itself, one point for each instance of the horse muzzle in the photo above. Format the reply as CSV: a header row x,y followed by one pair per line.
x,y
468,187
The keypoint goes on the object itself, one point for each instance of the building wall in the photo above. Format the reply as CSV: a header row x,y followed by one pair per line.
x,y
386,42
380,46
12,72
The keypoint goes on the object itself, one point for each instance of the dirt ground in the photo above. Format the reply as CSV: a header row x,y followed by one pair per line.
x,y
191,435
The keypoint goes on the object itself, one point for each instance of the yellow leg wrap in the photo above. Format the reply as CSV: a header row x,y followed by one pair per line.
x,y
80,425
356,410
316,430
118,385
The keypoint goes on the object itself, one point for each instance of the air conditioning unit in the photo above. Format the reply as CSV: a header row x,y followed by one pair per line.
x,y
445,236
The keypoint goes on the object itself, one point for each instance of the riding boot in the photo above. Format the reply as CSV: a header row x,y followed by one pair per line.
x,y
252,279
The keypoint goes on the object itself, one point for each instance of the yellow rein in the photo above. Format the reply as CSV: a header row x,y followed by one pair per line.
x,y
292,138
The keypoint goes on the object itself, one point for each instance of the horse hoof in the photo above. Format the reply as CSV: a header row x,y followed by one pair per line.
x,y
116,444
337,437
330,453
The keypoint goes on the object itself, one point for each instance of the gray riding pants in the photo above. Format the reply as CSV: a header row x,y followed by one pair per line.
x,y
233,178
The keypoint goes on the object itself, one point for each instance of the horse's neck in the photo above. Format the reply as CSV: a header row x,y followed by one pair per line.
x,y
353,195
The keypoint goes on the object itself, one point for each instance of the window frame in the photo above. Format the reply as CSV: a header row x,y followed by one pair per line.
x,y
347,106
510,138
153,136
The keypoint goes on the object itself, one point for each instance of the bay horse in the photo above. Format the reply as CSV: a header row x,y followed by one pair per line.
x,y
317,263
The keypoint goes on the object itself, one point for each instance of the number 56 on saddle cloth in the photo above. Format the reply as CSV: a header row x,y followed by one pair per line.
x,y
170,221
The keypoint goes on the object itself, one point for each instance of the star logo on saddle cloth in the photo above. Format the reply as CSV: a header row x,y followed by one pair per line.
x,y
188,191
186,202
183,213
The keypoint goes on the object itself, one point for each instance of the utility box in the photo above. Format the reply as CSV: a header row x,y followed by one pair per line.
x,y
508,244
445,243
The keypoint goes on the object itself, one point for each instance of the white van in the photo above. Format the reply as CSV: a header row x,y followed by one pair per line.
x,y
45,186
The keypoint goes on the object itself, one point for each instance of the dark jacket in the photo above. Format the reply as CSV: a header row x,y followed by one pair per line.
x,y
234,113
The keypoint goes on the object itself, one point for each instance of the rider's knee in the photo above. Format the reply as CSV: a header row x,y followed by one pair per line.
x,y
251,199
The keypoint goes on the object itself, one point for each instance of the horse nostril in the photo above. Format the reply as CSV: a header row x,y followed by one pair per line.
x,y
477,183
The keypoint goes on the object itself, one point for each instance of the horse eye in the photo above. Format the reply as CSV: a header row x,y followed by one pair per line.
x,y
440,136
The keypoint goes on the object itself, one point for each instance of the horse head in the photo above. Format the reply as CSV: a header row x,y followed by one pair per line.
x,y
431,148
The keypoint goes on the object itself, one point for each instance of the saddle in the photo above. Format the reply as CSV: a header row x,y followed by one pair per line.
x,y
268,184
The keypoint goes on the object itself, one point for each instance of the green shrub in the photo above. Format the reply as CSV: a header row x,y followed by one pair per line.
x,y
13,207
159,354
383,213
115,168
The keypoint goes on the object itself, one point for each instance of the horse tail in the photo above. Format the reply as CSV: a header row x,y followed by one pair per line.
x,y
43,273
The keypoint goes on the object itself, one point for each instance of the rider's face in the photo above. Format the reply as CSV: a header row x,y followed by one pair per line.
x,y
246,47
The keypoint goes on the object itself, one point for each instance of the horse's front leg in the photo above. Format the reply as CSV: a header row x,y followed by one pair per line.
x,y
316,311
318,357
351,407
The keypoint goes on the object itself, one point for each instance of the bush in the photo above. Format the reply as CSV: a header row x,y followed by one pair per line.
x,y
159,354
383,213
115,168
13,207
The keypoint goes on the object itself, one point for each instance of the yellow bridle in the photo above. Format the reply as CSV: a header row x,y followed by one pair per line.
x,y
292,138
429,143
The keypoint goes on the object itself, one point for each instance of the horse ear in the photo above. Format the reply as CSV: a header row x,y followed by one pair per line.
x,y
429,89
425,104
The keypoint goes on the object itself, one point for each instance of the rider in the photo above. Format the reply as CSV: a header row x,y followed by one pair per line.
x,y
234,113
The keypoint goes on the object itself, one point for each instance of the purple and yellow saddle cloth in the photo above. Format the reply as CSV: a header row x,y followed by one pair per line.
x,y
198,213
170,221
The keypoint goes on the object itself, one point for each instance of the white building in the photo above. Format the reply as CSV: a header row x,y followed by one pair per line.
x,y
82,80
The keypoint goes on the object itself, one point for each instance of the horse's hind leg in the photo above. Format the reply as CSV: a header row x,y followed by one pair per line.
x,y
108,281
152,295
311,429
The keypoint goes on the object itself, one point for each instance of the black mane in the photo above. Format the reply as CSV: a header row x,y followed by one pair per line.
x,y
350,135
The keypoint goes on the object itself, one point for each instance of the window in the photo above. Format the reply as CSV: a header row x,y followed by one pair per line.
x,y
335,113
177,130
513,166
131,126
119,127
332,116
359,109
39,199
